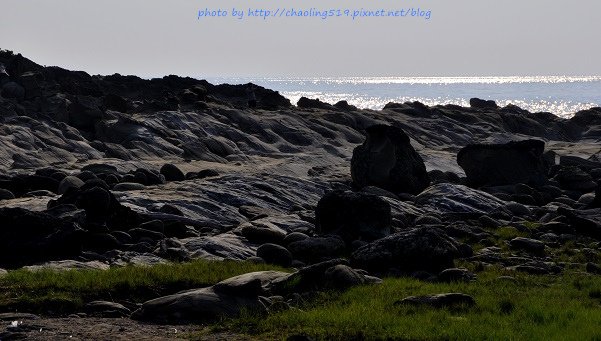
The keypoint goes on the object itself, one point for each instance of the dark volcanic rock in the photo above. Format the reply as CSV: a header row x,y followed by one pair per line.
x,y
101,207
317,249
307,103
172,173
262,232
587,222
428,249
387,160
483,104
353,216
275,254
29,237
529,245
575,179
70,182
504,164
6,194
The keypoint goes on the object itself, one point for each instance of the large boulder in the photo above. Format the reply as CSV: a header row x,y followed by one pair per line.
x,y
353,216
228,298
585,222
317,249
573,178
478,103
172,173
275,254
504,164
69,182
387,160
28,237
334,274
100,205
420,249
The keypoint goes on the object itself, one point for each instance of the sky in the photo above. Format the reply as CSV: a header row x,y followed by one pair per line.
x,y
152,38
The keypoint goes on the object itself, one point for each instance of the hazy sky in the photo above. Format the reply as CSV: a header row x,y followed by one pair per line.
x,y
158,37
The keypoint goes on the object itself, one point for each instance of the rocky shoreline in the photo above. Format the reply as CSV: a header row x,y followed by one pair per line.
x,y
105,171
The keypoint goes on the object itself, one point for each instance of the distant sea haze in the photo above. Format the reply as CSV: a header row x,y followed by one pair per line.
x,y
562,96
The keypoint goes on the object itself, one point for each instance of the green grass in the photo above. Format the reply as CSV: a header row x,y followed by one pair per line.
x,y
509,232
567,307
53,292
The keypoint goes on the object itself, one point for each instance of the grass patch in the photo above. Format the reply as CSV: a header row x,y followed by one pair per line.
x,y
54,292
509,232
532,225
564,307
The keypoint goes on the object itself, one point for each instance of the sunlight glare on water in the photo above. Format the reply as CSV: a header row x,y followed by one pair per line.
x,y
560,95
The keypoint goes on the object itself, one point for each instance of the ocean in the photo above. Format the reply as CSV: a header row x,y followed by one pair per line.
x,y
562,96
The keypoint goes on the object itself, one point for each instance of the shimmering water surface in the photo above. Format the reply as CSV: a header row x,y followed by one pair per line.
x,y
559,95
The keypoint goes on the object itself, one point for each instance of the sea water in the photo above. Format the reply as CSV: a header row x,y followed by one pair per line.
x,y
560,95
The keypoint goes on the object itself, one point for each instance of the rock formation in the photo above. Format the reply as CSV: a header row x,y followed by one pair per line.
x,y
387,160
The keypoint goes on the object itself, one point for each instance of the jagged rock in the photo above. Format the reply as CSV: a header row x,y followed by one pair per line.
x,y
504,164
386,159
452,198
353,216
428,249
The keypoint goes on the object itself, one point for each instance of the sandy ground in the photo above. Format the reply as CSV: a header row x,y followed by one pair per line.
x,y
106,329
